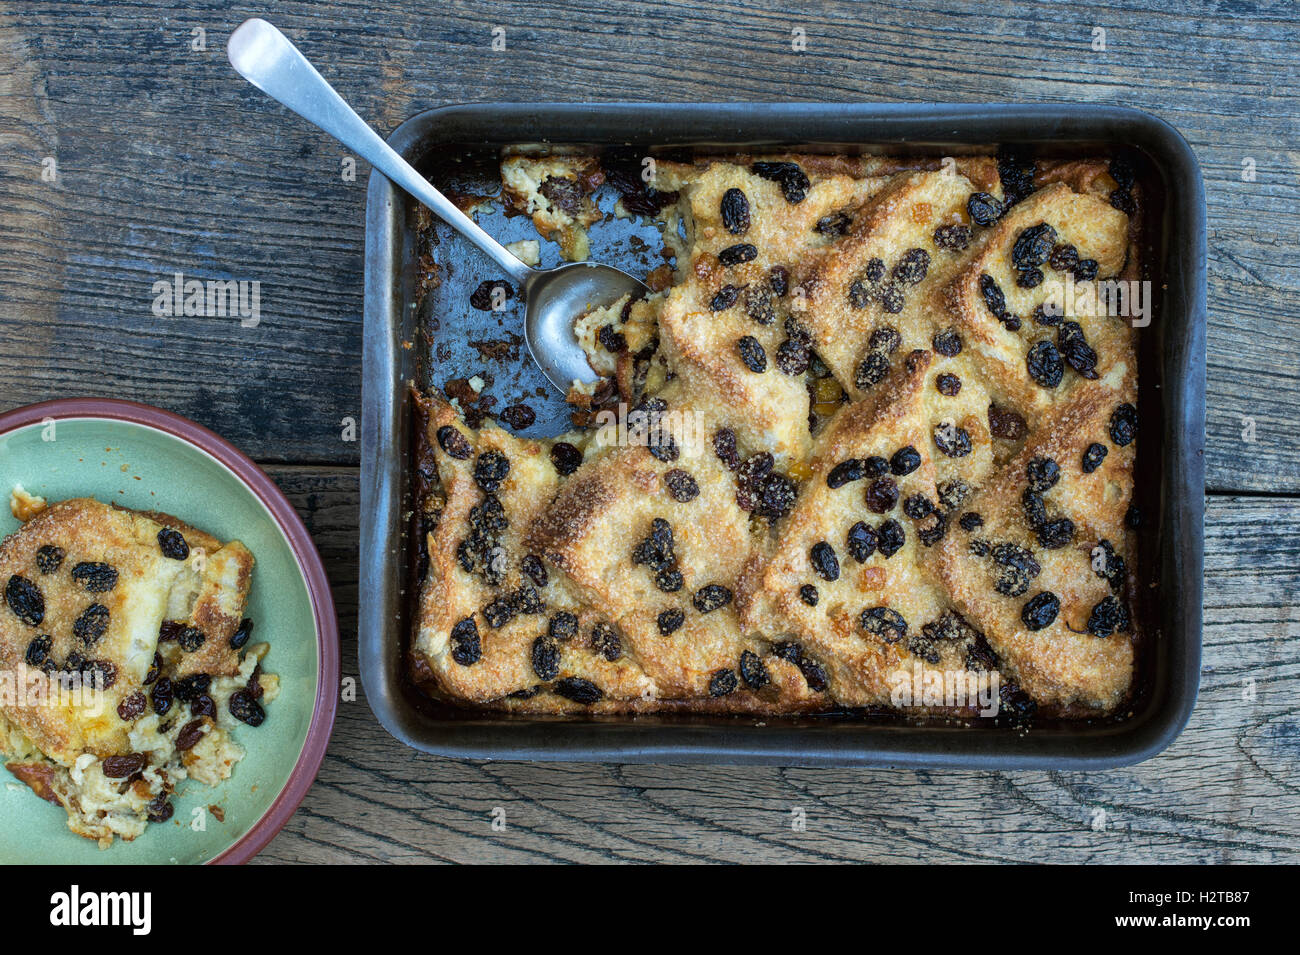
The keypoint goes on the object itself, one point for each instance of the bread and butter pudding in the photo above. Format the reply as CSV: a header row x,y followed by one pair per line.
x,y
126,661
877,418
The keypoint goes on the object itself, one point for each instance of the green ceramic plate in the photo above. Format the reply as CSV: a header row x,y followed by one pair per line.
x,y
140,457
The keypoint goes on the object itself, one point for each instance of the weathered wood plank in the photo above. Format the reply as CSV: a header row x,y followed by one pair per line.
x,y
169,163
1225,792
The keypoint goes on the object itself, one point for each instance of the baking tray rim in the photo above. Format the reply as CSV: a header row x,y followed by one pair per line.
x,y
728,740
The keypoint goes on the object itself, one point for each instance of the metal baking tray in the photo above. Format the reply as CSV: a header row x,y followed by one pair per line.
x,y
457,147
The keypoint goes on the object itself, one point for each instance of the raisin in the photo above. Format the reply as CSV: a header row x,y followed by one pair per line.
x,y
38,651
1040,610
752,670
779,279
792,180
242,634
984,209
1017,176
875,270
25,600
1042,317
809,595
835,224
736,254
579,690
91,625
971,520
159,810
1085,270
191,638
49,559
481,297
120,767
565,457
912,267
1010,322
189,688
1133,517
490,470
1044,364
162,696
994,299
681,485
192,732
466,648
1033,246
917,507
1113,567
979,655
824,561
1076,351
860,294
860,542
669,580
947,385
204,705
1108,616
1035,510
535,570
663,446
454,443
670,621
1017,569
520,416
1064,257
931,535
952,494
947,343
752,354
953,238
724,446
758,305
710,597
885,623
606,641
792,357
979,547
244,708
1123,425
563,193
891,298
1093,455
890,538
563,626
952,441
776,496
96,577
527,600
885,339
1030,278
735,211
724,298
846,471
132,707
905,460
875,466
1043,473
1006,424
882,495
1056,534
1016,704
921,646
172,544
499,613
749,478
871,371
546,658
722,683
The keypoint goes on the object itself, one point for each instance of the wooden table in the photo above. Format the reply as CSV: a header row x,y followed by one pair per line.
x,y
164,161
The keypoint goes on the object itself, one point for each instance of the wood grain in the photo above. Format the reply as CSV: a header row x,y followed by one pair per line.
x,y
169,162
1224,792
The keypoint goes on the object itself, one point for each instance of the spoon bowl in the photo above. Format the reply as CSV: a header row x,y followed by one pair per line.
x,y
555,298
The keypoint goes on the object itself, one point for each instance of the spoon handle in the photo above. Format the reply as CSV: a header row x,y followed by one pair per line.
x,y
264,56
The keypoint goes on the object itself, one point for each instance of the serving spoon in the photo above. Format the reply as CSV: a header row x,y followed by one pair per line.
x,y
554,298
